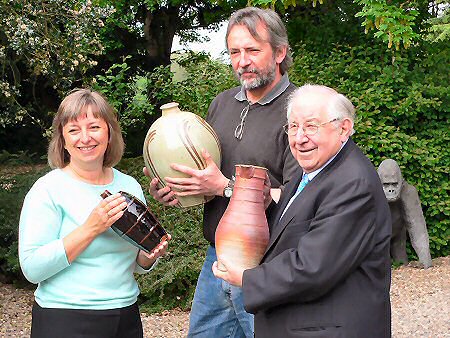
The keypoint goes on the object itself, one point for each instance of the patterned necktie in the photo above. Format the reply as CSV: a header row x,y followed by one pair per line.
x,y
303,183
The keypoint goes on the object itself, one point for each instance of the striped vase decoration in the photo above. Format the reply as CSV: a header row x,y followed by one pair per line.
x,y
179,137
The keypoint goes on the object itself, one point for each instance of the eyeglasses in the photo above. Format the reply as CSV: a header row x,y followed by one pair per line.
x,y
308,128
239,131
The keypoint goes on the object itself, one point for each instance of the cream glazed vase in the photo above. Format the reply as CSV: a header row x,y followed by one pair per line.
x,y
179,137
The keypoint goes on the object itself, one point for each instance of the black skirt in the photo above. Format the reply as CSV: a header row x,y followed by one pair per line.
x,y
74,323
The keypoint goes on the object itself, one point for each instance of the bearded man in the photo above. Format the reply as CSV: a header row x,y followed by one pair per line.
x,y
249,122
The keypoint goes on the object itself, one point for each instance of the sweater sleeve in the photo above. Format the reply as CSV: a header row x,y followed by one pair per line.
x,y
41,251
140,270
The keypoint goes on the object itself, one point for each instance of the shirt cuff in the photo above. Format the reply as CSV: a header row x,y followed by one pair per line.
x,y
140,270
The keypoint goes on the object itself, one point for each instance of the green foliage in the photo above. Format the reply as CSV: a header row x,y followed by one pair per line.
x,y
48,48
126,93
13,188
205,79
285,3
145,29
392,21
50,40
20,158
172,284
199,81
439,29
321,27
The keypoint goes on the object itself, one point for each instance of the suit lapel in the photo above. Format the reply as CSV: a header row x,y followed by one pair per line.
x,y
279,225
290,190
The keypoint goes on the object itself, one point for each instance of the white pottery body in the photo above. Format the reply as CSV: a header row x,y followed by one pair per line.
x,y
179,137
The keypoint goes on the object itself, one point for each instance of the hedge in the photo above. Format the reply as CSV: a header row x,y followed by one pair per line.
x,y
403,113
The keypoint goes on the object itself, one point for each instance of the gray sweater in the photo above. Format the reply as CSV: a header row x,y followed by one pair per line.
x,y
263,143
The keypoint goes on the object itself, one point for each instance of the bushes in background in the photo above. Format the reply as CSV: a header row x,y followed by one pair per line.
x,y
13,188
403,111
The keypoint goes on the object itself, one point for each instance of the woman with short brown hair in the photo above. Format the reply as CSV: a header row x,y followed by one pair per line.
x,y
83,269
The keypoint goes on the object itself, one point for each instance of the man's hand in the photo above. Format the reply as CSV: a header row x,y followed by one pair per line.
x,y
228,272
267,192
164,195
209,181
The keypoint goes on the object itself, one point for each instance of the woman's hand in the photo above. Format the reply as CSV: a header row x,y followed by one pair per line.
x,y
146,260
105,214
101,218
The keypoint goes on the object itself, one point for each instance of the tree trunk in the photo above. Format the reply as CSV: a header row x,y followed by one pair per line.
x,y
159,30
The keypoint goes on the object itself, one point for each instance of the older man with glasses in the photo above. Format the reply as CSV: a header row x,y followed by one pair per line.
x,y
326,271
249,122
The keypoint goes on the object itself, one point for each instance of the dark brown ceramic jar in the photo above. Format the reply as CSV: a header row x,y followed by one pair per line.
x,y
138,225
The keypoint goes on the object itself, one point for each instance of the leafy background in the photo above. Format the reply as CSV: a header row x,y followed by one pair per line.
x,y
401,95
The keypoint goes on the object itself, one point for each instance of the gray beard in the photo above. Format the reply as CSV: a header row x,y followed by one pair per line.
x,y
262,80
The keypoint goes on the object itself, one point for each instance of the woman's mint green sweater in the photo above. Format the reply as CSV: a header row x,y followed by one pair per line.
x,y
101,277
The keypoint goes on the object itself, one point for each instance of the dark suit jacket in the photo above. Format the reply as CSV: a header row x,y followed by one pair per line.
x,y
326,271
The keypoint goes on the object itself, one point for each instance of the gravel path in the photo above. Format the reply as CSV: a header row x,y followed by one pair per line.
x,y
420,307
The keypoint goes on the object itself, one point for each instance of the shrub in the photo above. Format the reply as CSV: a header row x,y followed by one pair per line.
x,y
19,158
138,99
402,105
201,80
127,93
13,188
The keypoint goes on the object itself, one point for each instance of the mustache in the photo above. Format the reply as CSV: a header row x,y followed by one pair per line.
x,y
247,70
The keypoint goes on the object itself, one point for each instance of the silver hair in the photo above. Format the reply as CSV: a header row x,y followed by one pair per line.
x,y
339,106
250,17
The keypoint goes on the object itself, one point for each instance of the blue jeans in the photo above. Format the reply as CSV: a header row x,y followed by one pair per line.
x,y
218,307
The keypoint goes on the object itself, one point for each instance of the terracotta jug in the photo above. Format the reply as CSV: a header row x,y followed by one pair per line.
x,y
242,235
138,225
178,137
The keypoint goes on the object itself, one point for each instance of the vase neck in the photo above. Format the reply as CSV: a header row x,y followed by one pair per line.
x,y
170,108
249,171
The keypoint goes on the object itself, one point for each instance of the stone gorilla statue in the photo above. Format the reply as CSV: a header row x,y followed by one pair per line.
x,y
406,214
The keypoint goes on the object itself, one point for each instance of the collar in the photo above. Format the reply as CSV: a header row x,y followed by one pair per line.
x,y
314,173
276,91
